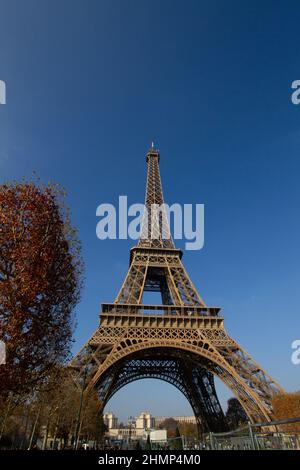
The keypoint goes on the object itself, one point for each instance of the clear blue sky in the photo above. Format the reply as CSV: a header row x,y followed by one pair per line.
x,y
90,84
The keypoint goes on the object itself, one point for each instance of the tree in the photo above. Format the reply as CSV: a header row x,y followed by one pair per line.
x,y
177,444
285,406
235,413
92,425
170,425
51,414
188,429
40,283
148,443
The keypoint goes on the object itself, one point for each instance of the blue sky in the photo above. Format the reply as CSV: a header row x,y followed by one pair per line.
x,y
90,84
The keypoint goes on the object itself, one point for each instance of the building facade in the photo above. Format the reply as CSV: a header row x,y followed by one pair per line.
x,y
110,420
180,419
145,421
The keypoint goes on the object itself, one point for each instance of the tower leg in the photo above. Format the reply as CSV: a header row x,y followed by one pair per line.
x,y
196,383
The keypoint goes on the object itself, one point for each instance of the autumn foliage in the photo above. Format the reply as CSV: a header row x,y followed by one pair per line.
x,y
40,282
285,406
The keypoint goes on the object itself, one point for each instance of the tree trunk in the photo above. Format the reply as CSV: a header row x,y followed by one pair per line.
x,y
5,417
34,428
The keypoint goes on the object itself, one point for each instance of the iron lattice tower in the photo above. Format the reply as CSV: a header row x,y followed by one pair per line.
x,y
182,341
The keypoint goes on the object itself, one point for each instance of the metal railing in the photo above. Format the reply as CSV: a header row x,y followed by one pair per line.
x,y
279,434
141,309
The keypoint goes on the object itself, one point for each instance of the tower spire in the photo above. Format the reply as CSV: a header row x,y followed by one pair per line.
x,y
155,232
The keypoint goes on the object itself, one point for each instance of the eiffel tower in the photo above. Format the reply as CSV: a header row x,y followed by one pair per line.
x,y
182,341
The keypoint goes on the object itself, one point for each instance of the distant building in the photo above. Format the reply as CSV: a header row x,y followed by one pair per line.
x,y
140,427
137,429
179,419
127,434
145,421
110,420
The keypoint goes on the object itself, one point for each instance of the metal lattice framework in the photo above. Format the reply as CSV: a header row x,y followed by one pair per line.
x,y
182,341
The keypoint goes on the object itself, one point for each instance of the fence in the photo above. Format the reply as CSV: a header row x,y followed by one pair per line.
x,y
280,434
